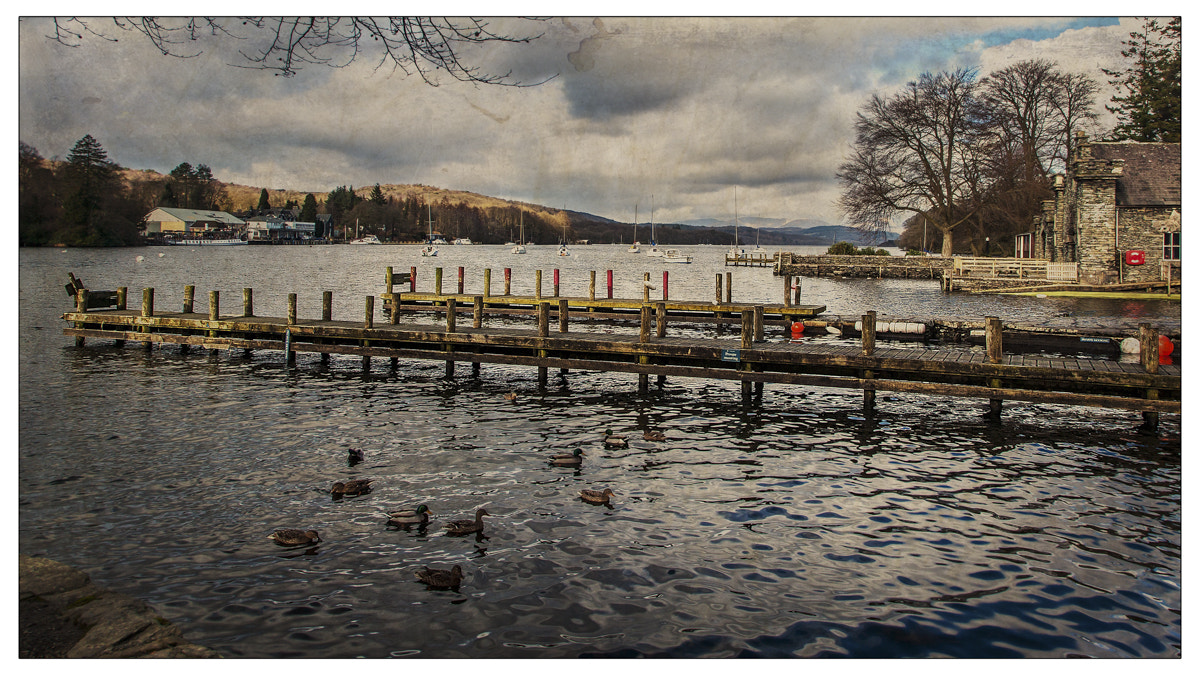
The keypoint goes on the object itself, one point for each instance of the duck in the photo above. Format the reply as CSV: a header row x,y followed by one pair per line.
x,y
445,579
351,488
596,496
511,396
457,527
614,441
404,518
573,459
652,435
356,455
294,537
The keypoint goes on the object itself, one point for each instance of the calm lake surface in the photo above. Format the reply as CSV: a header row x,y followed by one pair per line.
x,y
801,527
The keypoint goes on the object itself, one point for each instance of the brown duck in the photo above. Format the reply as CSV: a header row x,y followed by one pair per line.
x,y
596,496
417,516
351,488
573,459
467,526
293,537
447,579
651,435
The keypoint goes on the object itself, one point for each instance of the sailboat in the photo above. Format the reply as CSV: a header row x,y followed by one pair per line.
x,y
758,250
654,252
520,247
635,248
562,247
733,250
430,250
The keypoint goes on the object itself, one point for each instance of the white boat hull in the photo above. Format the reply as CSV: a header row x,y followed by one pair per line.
x,y
206,242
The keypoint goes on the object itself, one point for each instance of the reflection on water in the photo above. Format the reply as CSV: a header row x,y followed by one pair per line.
x,y
802,527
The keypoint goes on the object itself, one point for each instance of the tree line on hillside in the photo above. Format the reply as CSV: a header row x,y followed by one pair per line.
x,y
971,159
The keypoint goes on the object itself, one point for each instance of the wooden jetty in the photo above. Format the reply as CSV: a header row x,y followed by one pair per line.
x,y
743,259
985,374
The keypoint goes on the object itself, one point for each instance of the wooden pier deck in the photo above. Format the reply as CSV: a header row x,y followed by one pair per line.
x,y
746,357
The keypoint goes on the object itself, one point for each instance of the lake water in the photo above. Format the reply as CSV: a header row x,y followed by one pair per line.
x,y
800,527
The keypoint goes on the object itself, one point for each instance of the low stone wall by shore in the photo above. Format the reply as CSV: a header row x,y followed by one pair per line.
x,y
64,615
868,266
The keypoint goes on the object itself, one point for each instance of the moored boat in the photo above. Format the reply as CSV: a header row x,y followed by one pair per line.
x,y
368,239
672,255
199,241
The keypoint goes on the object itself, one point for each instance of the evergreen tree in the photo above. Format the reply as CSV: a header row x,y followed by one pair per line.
x,y
377,195
1151,108
308,212
264,201
90,177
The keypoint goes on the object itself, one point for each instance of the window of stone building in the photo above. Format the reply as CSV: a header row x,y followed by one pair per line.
x,y
1171,246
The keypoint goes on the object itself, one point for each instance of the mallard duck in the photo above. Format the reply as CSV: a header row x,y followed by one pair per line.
x,y
293,537
356,455
651,435
596,496
417,516
573,459
467,526
449,579
511,396
614,441
351,488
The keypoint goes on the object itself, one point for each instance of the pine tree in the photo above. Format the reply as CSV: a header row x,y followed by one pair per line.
x,y
264,201
1151,108
91,177
377,195
308,212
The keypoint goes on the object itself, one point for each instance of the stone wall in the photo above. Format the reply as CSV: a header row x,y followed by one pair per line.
x,y
868,266
1142,230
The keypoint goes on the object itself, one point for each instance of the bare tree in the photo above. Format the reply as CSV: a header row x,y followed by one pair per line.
x,y
913,153
424,46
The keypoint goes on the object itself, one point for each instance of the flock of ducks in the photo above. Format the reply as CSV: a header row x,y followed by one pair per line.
x,y
452,578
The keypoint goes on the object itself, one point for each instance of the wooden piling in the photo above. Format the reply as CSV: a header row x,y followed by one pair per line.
x,y
387,278
214,305
660,319
645,287
719,295
487,282
747,343
643,338
610,284
412,279
147,301
81,298
507,281
477,317
189,299
563,314
796,290
369,313
759,330
556,282
592,286
787,290
247,302
868,349
122,298
460,280
291,309
1148,337
664,288
994,344
543,317
437,281
451,327
537,286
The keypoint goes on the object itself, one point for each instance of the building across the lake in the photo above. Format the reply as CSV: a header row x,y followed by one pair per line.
x,y
170,220
1116,212
275,228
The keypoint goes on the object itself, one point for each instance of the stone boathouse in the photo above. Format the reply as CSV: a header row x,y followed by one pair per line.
x,y
1116,212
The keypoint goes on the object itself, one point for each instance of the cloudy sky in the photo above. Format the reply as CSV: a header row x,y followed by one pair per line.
x,y
678,110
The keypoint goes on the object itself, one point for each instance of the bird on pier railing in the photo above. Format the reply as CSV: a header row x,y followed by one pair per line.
x,y
441,579
294,537
351,488
572,459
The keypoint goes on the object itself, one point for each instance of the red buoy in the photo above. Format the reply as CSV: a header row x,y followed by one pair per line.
x,y
1165,346
797,330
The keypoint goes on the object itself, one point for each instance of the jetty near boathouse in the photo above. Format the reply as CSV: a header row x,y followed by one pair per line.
x,y
549,331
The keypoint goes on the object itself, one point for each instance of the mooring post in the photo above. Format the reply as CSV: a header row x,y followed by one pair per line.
x,y
326,307
994,343
729,287
437,281
563,315
247,302
747,343
759,330
369,313
556,282
643,338
214,310
291,309
537,286
487,282
147,302
291,321
645,287
81,296
451,327
122,297
868,349
189,299
460,280
387,279
394,315
660,319
592,288
665,285
412,279
543,319
507,281
610,285
796,290
477,322
1148,337
787,290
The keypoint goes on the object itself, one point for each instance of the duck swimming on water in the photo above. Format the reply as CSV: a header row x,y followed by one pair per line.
x,y
457,527
442,579
573,459
596,496
351,488
404,518
294,537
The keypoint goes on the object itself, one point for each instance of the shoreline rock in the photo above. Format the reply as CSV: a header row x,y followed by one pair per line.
x,y
64,615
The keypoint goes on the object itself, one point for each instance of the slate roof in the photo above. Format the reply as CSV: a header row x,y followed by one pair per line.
x,y
1152,175
203,215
